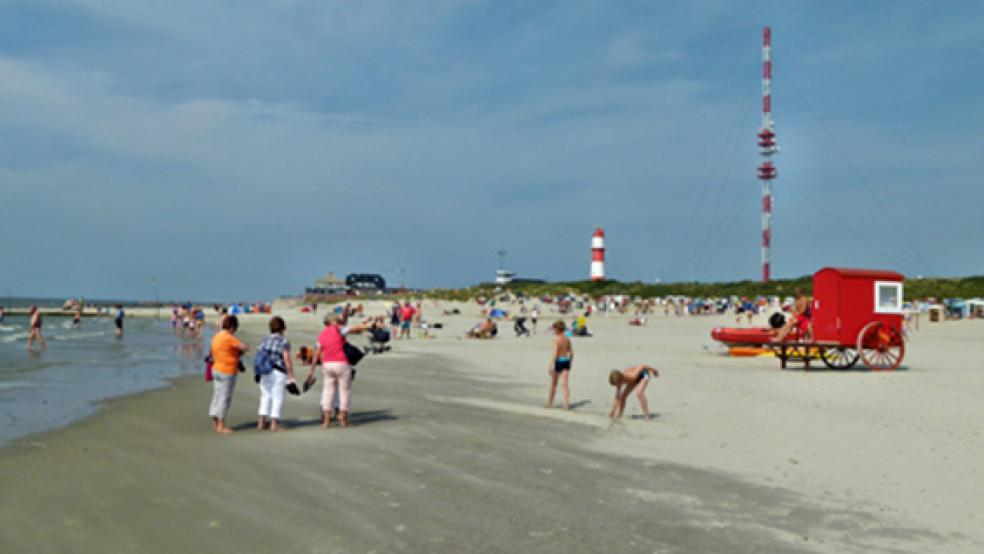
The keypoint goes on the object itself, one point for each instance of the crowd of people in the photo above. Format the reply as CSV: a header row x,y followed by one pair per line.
x,y
189,321
406,318
35,333
331,359
328,359
274,372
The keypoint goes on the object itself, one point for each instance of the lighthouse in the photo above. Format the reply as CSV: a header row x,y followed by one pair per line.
x,y
598,255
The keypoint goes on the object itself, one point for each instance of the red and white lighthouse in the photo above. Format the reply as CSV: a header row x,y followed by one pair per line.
x,y
598,255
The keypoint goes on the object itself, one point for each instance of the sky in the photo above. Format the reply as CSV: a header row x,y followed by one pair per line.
x,y
240,150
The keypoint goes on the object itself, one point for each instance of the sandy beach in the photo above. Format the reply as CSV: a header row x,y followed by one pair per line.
x,y
451,450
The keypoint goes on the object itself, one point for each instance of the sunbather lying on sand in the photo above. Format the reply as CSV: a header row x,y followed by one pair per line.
x,y
484,330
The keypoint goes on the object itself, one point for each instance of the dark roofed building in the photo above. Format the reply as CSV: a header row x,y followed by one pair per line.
x,y
365,282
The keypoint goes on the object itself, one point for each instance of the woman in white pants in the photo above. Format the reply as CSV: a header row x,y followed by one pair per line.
x,y
272,384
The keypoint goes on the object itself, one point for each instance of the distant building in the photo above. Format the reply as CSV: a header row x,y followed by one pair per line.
x,y
504,276
329,284
526,281
366,282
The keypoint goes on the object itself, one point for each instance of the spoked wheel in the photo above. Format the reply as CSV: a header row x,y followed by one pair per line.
x,y
881,347
839,357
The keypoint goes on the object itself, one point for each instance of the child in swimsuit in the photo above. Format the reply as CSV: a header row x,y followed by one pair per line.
x,y
625,381
560,365
306,355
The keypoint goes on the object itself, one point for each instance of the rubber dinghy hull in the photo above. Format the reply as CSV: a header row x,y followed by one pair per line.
x,y
744,336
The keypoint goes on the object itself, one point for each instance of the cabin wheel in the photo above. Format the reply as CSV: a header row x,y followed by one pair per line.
x,y
839,357
882,347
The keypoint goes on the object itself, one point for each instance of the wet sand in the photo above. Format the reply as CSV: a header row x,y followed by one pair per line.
x,y
443,456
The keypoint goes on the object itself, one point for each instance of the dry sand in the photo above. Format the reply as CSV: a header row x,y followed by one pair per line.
x,y
451,451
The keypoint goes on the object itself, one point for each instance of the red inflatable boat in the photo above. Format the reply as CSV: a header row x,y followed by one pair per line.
x,y
748,336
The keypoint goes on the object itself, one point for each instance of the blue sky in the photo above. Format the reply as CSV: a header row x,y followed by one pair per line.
x,y
240,150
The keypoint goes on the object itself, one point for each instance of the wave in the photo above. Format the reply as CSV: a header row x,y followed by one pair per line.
x,y
77,335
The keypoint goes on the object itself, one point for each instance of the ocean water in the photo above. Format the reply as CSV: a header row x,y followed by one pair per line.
x,y
80,367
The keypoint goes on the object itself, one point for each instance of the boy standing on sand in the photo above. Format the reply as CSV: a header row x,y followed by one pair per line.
x,y
560,365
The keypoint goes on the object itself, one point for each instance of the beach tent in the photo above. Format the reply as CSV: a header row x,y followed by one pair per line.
x,y
497,313
235,309
975,308
955,308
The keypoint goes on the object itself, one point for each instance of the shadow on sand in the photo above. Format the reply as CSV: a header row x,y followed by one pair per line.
x,y
819,367
356,419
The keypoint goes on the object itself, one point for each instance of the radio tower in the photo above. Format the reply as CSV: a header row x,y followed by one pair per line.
x,y
767,147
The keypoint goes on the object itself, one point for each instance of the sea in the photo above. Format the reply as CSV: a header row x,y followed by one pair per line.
x,y
83,366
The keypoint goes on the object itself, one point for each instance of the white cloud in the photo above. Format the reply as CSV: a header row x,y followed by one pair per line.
x,y
421,137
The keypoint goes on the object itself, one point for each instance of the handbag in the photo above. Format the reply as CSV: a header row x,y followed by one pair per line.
x,y
208,368
353,354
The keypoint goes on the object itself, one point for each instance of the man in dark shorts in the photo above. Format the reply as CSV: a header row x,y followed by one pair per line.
x,y
406,318
119,320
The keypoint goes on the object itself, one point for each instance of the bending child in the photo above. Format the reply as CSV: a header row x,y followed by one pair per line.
x,y
625,381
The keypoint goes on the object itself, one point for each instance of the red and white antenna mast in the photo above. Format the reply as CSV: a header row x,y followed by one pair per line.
x,y
767,147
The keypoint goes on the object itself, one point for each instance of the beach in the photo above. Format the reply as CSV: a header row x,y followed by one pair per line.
x,y
451,450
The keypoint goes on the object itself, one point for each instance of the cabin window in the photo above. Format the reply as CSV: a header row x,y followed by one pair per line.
x,y
888,297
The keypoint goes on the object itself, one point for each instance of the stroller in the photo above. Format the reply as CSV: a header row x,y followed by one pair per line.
x,y
379,337
520,327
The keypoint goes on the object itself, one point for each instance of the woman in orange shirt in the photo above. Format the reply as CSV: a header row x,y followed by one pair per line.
x,y
226,351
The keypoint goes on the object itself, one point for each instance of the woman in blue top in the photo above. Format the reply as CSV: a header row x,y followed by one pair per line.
x,y
272,384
